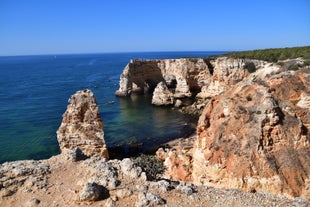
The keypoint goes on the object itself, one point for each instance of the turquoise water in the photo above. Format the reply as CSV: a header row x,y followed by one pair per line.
x,y
34,91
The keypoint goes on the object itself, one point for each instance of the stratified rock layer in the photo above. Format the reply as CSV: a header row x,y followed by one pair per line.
x,y
82,126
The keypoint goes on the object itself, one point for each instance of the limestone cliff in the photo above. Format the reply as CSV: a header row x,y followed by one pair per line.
x,y
82,126
253,136
246,140
186,77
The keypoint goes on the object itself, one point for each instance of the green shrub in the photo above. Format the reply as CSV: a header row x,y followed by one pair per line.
x,y
249,98
250,66
306,63
273,54
150,165
294,67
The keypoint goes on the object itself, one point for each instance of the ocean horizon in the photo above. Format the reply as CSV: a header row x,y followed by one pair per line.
x,y
35,90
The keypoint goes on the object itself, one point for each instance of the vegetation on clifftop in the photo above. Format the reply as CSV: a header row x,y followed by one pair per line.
x,y
274,54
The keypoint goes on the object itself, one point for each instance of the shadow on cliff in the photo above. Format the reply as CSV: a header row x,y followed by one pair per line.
x,y
147,147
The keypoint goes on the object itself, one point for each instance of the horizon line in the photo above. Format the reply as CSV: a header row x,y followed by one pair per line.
x,y
119,52
147,51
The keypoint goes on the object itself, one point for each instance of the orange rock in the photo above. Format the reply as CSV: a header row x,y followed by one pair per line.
x,y
82,126
258,144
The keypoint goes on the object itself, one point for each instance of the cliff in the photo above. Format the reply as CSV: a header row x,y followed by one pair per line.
x,y
251,138
82,176
253,135
186,77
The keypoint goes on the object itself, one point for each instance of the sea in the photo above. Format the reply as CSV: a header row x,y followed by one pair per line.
x,y
34,93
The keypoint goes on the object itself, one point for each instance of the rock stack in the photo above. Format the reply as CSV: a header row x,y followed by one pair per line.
x,y
82,126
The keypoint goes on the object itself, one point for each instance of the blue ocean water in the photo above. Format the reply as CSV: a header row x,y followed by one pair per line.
x,y
34,91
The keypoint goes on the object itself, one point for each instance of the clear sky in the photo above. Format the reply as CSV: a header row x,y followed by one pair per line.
x,y
91,26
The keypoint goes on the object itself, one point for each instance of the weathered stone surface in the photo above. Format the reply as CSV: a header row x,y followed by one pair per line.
x,y
123,193
129,168
247,140
162,95
149,199
75,154
185,75
103,172
82,126
93,192
66,186
24,175
33,202
253,134
178,103
187,189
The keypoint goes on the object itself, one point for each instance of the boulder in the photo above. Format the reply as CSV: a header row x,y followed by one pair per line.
x,y
82,126
162,95
130,169
149,199
103,172
75,154
93,192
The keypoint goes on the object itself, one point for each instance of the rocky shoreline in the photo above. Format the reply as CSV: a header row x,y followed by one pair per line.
x,y
251,147
253,131
60,181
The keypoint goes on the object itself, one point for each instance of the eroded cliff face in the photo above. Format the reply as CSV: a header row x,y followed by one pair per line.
x,y
253,133
255,136
82,126
184,76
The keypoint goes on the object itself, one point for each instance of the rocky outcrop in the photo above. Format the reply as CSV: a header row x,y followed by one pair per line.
x,y
82,127
29,176
255,137
93,192
162,95
60,182
226,72
253,134
184,76
177,158
223,153
187,77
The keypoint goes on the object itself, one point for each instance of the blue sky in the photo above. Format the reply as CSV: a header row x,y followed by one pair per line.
x,y
91,26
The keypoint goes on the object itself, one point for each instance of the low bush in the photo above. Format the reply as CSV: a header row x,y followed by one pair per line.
x,y
250,66
273,54
150,165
